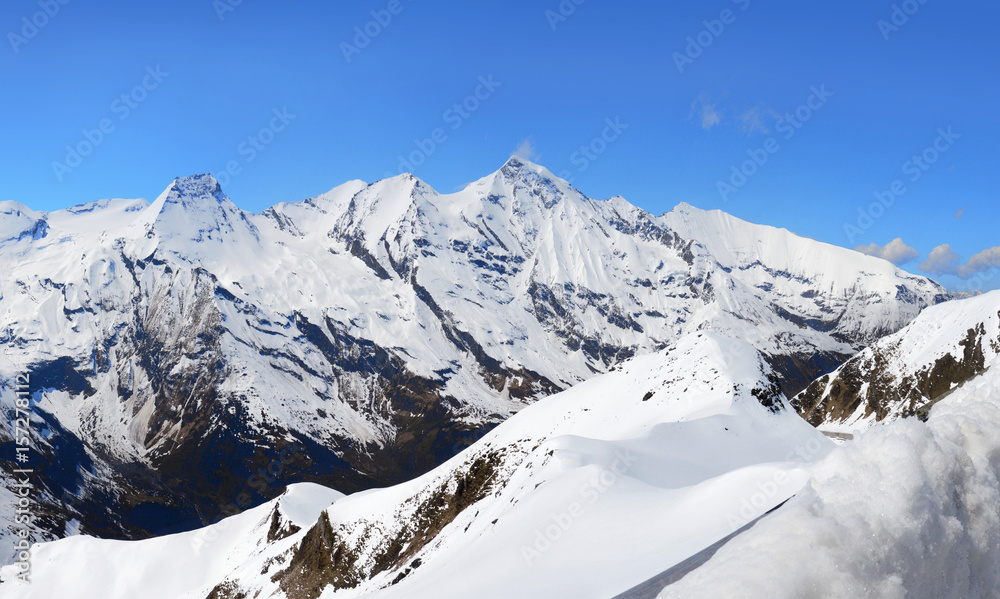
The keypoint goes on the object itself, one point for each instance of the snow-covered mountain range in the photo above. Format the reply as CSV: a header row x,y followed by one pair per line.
x,y
681,473
188,359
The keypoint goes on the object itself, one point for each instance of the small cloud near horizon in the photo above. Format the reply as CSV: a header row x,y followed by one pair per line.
x,y
983,261
943,260
896,251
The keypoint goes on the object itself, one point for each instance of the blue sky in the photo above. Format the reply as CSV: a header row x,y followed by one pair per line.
x,y
831,102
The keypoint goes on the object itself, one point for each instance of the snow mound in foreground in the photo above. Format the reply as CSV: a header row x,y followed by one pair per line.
x,y
907,510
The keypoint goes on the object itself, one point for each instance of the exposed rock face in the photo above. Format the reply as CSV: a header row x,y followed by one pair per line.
x,y
904,374
351,553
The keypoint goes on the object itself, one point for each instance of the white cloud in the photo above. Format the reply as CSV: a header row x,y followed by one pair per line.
x,y
942,261
526,151
945,261
756,119
710,117
981,262
706,112
896,251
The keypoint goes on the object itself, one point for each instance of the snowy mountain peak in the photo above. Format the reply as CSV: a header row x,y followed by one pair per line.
x,y
516,165
372,211
195,191
520,187
685,208
10,208
526,173
195,208
17,222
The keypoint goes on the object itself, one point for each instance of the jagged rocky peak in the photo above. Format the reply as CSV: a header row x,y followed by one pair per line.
x,y
516,167
529,183
195,185
196,192
520,185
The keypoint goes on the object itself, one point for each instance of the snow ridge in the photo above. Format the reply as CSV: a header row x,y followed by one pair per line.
x,y
905,373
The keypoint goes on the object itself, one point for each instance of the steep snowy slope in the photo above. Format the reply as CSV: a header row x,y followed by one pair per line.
x,y
630,470
908,509
905,373
362,337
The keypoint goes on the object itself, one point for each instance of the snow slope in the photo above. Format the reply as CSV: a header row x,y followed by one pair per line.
x,y
907,509
631,470
656,480
905,373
